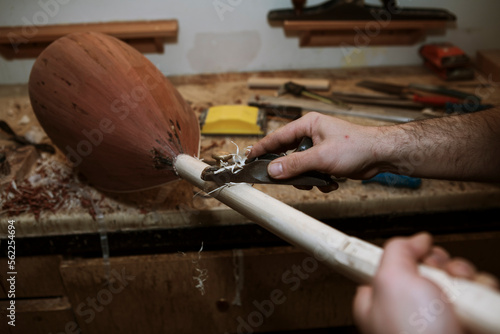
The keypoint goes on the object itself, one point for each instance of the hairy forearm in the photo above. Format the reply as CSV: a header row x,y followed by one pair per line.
x,y
464,147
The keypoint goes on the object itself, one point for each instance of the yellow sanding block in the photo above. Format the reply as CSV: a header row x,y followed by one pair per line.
x,y
233,120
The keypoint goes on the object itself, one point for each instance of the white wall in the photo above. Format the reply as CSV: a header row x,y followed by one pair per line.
x,y
242,39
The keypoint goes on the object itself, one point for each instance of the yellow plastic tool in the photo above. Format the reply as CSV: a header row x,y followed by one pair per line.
x,y
233,120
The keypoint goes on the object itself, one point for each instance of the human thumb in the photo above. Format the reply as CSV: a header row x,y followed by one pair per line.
x,y
292,165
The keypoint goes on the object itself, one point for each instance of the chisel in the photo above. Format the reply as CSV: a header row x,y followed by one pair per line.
x,y
285,106
299,90
450,95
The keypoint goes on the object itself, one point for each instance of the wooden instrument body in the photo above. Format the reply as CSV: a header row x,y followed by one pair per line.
x,y
117,118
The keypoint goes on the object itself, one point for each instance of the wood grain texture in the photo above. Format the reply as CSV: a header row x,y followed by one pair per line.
x,y
350,25
38,277
133,30
161,296
334,33
111,111
39,316
343,37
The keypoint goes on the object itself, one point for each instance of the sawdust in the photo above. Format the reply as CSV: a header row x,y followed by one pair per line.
x,y
201,274
165,203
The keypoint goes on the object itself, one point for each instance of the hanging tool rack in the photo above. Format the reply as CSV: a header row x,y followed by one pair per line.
x,y
352,23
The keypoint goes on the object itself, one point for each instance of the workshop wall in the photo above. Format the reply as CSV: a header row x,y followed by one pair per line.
x,y
240,38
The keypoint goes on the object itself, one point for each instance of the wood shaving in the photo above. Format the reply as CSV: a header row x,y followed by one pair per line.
x,y
202,274
52,187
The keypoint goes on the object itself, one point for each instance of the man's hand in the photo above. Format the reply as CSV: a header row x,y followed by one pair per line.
x,y
400,301
463,147
339,148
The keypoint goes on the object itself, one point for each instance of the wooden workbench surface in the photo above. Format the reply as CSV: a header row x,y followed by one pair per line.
x,y
71,206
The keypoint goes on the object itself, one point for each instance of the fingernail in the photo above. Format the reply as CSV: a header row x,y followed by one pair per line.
x,y
275,169
487,279
438,257
462,269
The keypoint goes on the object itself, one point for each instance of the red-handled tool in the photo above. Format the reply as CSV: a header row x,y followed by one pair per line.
x,y
411,88
435,101
403,100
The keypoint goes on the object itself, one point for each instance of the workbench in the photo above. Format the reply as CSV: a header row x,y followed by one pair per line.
x,y
182,262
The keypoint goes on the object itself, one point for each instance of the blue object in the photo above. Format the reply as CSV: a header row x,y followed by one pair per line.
x,y
465,108
394,180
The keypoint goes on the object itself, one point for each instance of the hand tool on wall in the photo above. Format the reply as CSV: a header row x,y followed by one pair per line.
x,y
450,95
298,6
273,104
299,90
158,142
358,10
395,180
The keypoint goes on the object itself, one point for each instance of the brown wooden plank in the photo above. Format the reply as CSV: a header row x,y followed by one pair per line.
x,y
371,26
327,38
122,30
39,316
36,277
29,42
158,294
360,33
488,62
32,50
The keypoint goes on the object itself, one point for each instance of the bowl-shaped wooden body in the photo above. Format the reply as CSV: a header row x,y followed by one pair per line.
x,y
111,111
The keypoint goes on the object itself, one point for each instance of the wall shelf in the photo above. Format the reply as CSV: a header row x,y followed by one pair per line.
x,y
361,33
29,41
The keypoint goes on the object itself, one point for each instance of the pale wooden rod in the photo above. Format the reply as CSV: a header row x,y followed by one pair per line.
x,y
475,304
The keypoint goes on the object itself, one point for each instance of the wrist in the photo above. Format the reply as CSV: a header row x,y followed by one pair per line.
x,y
386,147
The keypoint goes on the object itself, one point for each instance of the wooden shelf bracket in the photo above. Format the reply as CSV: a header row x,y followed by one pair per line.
x,y
30,41
361,33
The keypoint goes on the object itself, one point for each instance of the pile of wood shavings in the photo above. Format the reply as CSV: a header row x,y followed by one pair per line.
x,y
51,187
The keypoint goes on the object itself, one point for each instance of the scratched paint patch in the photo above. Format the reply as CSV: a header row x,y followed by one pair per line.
x,y
215,52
